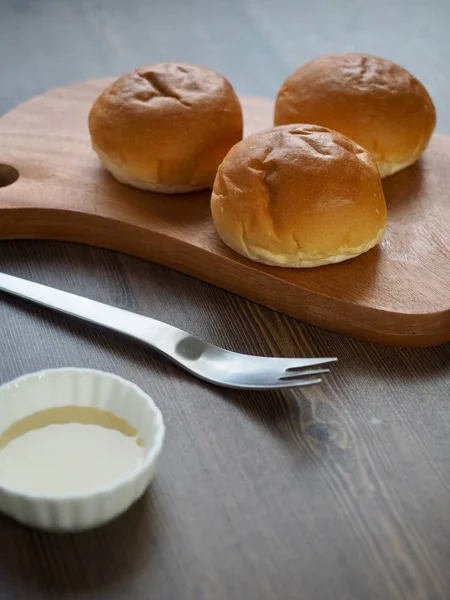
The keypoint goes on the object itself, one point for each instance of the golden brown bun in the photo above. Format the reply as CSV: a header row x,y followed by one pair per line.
x,y
373,101
298,196
166,127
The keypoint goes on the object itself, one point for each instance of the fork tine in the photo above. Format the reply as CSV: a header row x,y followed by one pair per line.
x,y
303,373
300,382
301,363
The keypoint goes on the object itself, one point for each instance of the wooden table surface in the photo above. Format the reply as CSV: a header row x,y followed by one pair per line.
x,y
341,491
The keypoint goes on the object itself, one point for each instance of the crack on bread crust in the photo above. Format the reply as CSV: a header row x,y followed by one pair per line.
x,y
161,88
263,169
345,143
363,69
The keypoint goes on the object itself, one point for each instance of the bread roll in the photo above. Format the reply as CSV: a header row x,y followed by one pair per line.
x,y
373,101
166,127
298,196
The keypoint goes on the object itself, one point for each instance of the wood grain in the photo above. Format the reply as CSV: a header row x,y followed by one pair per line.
x,y
338,493
398,293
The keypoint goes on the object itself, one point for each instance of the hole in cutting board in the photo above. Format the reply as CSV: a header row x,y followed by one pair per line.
x,y
8,175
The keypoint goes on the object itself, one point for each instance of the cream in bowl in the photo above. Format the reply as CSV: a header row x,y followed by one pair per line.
x,y
77,447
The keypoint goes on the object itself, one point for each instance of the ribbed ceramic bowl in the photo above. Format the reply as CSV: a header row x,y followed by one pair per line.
x,y
80,387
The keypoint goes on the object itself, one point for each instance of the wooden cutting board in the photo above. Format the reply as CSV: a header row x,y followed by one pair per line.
x,y
398,293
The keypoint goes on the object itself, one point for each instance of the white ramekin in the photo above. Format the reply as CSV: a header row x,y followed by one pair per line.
x,y
80,387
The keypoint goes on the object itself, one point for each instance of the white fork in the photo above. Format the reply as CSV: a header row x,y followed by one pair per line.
x,y
208,362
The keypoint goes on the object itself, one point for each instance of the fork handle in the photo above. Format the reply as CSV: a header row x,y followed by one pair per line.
x,y
160,336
